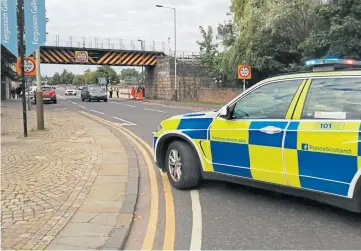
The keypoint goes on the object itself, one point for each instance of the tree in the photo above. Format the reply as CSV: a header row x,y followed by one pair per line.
x,y
130,73
209,55
78,80
55,80
107,71
267,34
66,77
90,78
226,32
339,31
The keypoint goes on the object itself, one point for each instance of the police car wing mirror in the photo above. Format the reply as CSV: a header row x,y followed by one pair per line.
x,y
224,112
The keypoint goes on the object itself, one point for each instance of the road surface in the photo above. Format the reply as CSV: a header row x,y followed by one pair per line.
x,y
219,215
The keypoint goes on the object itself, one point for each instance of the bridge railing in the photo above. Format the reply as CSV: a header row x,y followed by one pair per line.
x,y
105,43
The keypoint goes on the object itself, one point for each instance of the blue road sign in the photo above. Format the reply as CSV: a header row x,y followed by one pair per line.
x,y
35,28
9,27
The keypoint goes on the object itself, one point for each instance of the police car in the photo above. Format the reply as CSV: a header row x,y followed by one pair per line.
x,y
298,134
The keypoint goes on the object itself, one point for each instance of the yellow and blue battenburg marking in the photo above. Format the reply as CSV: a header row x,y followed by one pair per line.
x,y
246,151
324,159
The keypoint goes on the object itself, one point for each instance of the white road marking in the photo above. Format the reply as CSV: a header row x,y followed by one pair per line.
x,y
128,122
59,109
152,110
72,102
123,104
83,107
130,105
97,112
196,237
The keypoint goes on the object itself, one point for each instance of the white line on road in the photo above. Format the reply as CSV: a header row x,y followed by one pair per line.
x,y
129,105
128,122
83,107
72,102
152,110
196,237
97,112
123,104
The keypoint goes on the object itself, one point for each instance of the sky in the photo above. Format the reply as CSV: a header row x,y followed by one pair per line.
x,y
130,20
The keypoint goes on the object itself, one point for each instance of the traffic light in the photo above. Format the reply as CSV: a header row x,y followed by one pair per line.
x,y
108,80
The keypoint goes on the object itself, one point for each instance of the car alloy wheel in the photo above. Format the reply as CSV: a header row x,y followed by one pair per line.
x,y
175,165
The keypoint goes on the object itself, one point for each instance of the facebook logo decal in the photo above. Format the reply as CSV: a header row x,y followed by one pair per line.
x,y
305,147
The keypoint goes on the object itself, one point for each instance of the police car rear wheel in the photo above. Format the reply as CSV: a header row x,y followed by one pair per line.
x,y
183,166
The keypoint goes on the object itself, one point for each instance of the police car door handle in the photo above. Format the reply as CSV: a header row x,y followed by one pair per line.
x,y
271,130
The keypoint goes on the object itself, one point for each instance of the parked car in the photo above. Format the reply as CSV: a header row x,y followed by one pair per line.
x,y
297,134
93,93
48,94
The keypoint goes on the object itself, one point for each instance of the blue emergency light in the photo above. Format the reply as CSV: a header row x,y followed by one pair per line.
x,y
332,63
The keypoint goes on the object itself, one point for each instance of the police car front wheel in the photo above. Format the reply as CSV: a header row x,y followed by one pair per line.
x,y
183,166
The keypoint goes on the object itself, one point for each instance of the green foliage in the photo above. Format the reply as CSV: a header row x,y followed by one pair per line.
x,y
276,36
89,77
130,74
209,55
339,34
66,77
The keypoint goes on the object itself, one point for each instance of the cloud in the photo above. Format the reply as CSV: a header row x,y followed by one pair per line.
x,y
131,20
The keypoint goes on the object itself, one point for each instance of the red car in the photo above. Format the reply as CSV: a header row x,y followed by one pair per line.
x,y
48,94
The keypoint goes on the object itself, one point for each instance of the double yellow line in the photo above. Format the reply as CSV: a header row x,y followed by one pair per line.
x,y
146,150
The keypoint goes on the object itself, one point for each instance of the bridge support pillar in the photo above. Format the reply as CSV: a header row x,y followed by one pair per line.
x,y
159,82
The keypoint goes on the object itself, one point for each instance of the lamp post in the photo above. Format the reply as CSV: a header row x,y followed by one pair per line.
x,y
142,48
175,47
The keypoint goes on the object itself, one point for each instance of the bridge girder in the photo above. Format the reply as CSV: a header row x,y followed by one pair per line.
x,y
66,55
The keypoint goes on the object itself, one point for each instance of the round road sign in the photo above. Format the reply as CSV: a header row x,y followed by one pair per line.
x,y
81,56
244,72
29,66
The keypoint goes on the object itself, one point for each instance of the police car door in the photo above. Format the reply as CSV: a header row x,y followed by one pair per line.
x,y
249,144
323,144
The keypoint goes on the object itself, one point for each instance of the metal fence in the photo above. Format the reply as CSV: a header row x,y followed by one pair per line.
x,y
105,43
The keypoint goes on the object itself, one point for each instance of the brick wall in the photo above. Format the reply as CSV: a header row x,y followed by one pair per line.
x,y
218,95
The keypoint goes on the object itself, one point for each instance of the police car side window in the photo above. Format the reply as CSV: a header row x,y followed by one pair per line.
x,y
270,101
333,98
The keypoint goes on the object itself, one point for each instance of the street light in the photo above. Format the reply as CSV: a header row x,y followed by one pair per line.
x,y
142,48
175,48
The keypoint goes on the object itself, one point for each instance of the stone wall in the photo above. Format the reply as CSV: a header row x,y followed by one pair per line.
x,y
159,82
217,95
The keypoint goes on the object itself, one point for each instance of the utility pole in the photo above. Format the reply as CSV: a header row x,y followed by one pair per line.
x,y
175,56
22,52
175,49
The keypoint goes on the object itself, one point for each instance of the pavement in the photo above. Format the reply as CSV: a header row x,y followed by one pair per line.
x,y
216,215
72,186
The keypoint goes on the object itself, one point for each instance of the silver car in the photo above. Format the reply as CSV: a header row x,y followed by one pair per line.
x,y
93,93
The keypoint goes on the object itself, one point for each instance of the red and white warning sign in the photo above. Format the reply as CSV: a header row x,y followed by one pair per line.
x,y
81,57
244,72
29,66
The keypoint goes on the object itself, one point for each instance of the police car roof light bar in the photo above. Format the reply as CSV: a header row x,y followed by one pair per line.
x,y
332,64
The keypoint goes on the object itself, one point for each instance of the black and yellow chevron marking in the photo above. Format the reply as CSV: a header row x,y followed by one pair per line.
x,y
58,55
128,58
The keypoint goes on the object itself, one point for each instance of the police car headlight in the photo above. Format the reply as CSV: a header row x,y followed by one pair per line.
x,y
160,127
